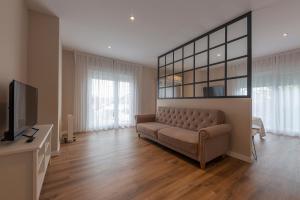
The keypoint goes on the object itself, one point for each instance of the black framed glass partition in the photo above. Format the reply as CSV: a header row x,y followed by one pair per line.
x,y
216,64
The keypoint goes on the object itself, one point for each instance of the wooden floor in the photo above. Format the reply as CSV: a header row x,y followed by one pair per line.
x,y
119,165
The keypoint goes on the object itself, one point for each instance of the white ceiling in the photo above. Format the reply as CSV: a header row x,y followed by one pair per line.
x,y
160,25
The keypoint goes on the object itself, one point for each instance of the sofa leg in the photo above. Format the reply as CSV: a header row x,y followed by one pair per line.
x,y
202,165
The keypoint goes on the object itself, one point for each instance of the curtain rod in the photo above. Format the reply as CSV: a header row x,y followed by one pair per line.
x,y
297,50
114,60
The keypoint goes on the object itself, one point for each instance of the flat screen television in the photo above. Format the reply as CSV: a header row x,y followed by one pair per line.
x,y
23,101
214,91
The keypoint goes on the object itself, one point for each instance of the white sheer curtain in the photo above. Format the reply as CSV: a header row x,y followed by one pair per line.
x,y
276,92
106,93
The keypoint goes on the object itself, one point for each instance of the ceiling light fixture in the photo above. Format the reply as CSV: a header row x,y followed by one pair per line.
x,y
285,34
109,47
219,55
132,18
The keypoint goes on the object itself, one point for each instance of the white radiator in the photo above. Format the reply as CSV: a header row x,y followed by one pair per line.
x,y
70,134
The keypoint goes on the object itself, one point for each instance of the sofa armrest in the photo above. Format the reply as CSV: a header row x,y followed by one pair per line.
x,y
215,131
145,118
213,142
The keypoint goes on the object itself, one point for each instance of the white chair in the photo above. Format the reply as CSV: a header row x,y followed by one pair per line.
x,y
257,128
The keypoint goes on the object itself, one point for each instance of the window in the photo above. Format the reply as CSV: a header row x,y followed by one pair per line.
x,y
124,102
110,104
106,93
101,104
216,64
276,92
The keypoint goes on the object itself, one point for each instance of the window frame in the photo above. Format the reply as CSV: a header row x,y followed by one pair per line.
x,y
248,76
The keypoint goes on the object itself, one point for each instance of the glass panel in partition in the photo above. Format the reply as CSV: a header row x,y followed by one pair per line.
x,y
188,77
162,71
201,74
178,92
237,87
237,68
199,89
217,38
178,79
162,82
188,63
217,55
178,54
201,44
201,60
217,71
169,69
188,91
169,92
161,93
169,81
178,67
237,29
169,58
162,61
216,88
237,48
188,50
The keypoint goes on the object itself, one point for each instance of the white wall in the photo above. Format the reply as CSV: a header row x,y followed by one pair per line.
x,y
13,50
44,69
68,73
148,90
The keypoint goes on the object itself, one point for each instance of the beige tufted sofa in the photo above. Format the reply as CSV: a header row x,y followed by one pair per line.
x,y
197,133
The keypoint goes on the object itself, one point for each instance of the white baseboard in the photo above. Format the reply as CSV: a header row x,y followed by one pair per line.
x,y
55,153
240,156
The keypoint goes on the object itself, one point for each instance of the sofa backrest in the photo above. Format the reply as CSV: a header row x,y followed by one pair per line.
x,y
189,118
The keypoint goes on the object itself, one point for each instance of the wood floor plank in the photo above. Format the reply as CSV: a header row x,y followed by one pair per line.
x,y
117,165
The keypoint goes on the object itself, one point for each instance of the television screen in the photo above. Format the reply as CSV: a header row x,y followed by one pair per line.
x,y
23,100
214,91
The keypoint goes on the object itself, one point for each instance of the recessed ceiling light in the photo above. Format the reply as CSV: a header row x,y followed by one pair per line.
x,y
109,47
285,34
132,18
219,55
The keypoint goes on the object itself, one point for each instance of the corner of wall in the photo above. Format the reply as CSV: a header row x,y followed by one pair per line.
x,y
13,51
44,54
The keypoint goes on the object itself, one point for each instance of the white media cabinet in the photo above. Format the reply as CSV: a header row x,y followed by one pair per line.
x,y
23,165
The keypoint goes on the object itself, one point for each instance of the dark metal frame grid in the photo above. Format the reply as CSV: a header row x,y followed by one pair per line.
x,y
248,36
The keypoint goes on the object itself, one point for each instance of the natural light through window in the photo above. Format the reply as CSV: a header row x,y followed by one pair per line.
x,y
277,106
109,104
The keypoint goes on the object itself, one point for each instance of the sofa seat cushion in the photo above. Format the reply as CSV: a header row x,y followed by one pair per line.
x,y
150,128
182,139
